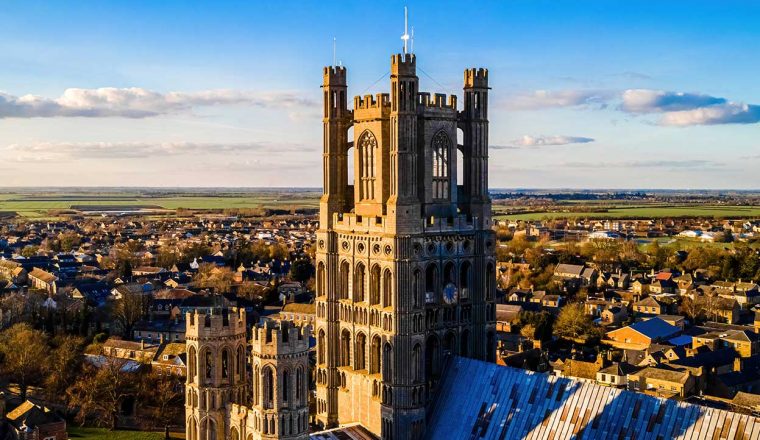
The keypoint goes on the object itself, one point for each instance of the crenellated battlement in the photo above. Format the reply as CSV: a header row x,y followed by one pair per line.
x,y
437,100
476,77
215,322
403,64
367,102
334,75
280,338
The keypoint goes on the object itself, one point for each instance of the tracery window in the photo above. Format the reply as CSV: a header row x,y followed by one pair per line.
x,y
441,174
366,149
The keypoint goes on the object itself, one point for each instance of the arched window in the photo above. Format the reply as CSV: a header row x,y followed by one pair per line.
x,y
208,362
374,285
299,384
374,360
360,353
192,363
225,364
416,288
359,282
416,362
240,363
345,270
366,150
321,347
321,279
441,154
234,435
431,283
432,354
387,288
489,281
345,348
464,279
268,387
192,429
256,385
387,362
285,385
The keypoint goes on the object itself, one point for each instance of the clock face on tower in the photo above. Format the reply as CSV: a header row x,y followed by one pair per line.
x,y
450,293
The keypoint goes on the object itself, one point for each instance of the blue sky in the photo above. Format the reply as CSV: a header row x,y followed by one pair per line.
x,y
585,94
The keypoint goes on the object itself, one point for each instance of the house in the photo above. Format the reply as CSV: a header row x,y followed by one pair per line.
x,y
727,310
745,342
614,315
299,314
641,286
149,271
615,375
578,369
662,286
662,381
649,306
160,330
130,350
642,334
13,271
95,293
570,275
43,280
171,358
676,320
30,421
289,291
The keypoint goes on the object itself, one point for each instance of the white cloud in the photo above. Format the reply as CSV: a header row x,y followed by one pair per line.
x,y
662,163
137,102
543,99
655,101
52,151
542,141
729,113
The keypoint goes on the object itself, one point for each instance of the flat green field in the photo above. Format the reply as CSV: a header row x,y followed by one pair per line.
x,y
38,205
645,212
104,434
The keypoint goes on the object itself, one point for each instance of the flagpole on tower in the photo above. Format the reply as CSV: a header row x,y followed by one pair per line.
x,y
335,53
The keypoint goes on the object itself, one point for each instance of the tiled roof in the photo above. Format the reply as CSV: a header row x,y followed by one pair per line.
x,y
485,401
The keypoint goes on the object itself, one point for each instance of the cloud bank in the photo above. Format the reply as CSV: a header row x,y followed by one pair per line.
x,y
542,141
49,151
674,108
137,102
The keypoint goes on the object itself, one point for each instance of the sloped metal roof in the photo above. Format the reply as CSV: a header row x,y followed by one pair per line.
x,y
479,400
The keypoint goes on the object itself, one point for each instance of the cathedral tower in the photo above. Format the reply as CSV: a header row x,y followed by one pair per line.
x,y
405,252
216,370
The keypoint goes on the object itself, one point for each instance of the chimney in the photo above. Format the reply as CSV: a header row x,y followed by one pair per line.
x,y
142,344
161,339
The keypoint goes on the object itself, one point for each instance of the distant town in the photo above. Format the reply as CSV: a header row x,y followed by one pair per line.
x,y
93,305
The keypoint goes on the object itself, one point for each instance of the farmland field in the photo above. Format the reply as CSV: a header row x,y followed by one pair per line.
x,y
38,205
643,212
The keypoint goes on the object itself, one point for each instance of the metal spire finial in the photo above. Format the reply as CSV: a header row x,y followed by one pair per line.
x,y
405,37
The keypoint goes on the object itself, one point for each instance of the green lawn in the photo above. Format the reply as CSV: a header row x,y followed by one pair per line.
x,y
645,212
104,434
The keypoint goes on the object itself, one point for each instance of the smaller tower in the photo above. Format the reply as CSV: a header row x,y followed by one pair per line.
x,y
280,365
216,370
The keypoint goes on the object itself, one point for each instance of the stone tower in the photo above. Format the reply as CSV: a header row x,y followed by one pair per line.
x,y
405,251
280,406
216,370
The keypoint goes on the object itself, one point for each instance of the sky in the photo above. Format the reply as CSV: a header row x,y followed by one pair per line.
x,y
585,94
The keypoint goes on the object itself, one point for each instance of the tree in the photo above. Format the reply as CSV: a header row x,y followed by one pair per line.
x,y
301,270
132,307
538,325
24,353
63,364
100,391
29,251
573,323
164,393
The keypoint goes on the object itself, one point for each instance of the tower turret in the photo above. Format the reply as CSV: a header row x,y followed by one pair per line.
x,y
474,124
403,204
216,370
336,121
280,354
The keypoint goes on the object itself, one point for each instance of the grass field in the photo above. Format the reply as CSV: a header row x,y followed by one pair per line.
x,y
657,211
38,205
104,434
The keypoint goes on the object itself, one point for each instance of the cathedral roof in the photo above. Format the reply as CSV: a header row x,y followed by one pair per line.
x,y
486,401
348,432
